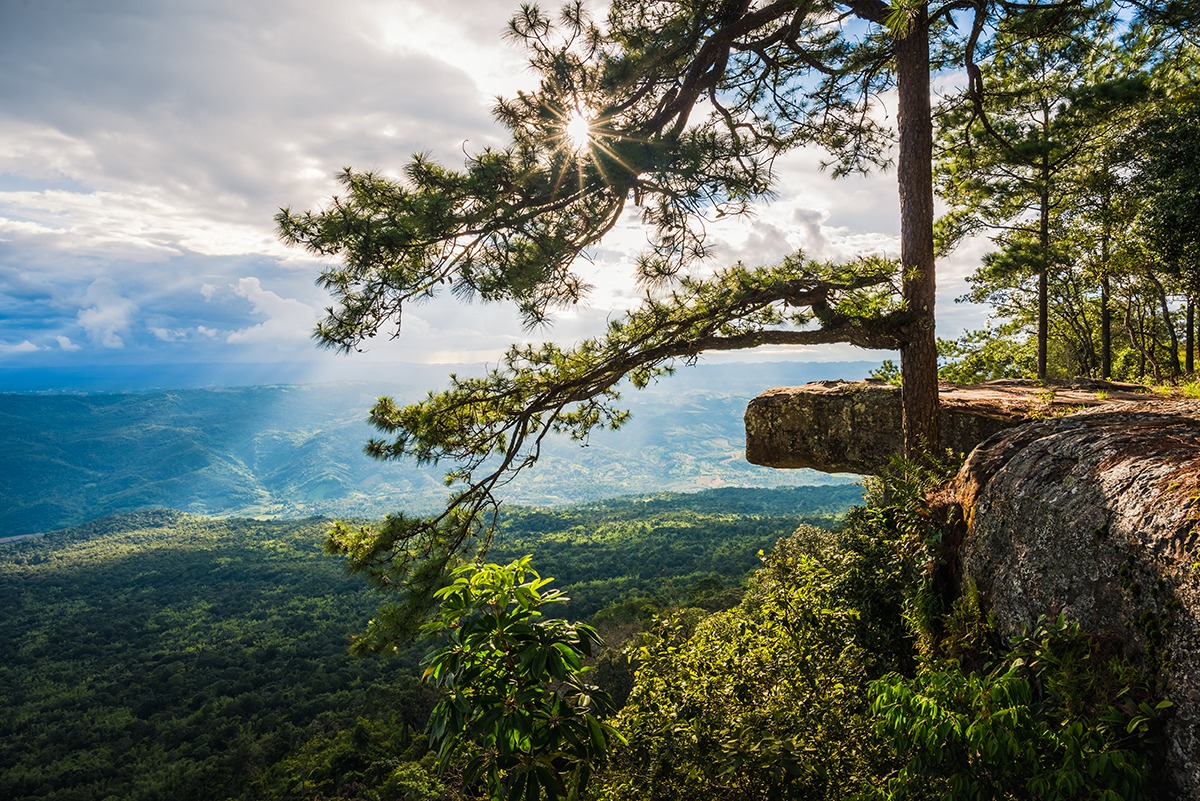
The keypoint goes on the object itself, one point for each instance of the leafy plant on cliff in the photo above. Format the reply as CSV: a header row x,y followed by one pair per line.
x,y
515,710
844,675
1050,716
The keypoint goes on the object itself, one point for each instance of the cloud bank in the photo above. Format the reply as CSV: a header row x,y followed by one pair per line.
x,y
146,146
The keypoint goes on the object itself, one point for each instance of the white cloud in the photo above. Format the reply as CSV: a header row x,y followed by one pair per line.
x,y
136,226
21,347
11,230
148,146
108,316
42,152
66,344
182,334
288,320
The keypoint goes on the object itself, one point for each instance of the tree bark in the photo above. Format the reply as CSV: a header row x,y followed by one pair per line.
x,y
1189,357
918,357
1169,325
1043,290
1105,330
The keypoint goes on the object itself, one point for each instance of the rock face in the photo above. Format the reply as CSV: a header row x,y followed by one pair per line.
x,y
1094,515
854,426
1097,516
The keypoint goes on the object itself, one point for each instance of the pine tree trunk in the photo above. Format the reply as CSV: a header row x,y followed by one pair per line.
x,y
1169,326
1105,292
1105,331
1189,358
1043,289
918,358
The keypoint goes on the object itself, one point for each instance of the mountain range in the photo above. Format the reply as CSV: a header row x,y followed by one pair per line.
x,y
297,450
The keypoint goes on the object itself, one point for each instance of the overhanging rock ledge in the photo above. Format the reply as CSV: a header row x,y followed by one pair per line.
x,y
854,426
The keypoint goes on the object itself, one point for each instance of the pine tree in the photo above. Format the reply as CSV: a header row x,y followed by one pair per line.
x,y
678,108
1048,93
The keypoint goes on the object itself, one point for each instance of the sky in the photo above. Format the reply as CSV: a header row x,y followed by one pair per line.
x,y
146,145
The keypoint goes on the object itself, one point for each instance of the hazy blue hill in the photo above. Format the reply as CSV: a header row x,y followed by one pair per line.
x,y
295,451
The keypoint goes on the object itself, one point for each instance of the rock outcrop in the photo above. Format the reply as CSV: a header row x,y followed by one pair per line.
x,y
1097,516
1081,500
854,426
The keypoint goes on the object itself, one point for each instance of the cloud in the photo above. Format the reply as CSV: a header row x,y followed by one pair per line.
x,y
288,320
220,112
21,347
145,148
182,334
107,317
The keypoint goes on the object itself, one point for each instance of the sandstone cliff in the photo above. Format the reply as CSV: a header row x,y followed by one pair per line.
x,y
1082,500
1097,516
854,426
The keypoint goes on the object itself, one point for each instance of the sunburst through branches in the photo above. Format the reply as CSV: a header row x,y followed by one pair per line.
x,y
577,131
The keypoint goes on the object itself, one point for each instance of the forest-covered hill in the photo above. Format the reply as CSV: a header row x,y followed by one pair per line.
x,y
296,451
165,655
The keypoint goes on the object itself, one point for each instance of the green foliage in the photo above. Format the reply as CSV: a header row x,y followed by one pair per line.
x,y
843,675
662,550
374,757
1051,717
1168,184
646,546
515,709
888,371
986,355
163,655
683,125
1077,162
767,700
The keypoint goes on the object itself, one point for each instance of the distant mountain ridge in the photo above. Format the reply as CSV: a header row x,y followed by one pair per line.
x,y
296,451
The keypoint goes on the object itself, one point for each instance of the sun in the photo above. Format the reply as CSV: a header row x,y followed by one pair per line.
x,y
577,129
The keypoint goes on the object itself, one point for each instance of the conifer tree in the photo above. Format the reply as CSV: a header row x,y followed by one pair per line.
x,y
1049,91
1168,182
1112,230
677,108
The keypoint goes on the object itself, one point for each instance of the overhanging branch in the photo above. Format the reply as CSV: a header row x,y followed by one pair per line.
x,y
493,427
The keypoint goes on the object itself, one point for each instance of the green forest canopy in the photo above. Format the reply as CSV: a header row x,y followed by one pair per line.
x,y
160,654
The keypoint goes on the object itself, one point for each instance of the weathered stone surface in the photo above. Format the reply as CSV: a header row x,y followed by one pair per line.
x,y
854,426
1097,516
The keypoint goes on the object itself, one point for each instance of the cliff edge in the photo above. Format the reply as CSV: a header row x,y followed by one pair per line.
x,y
1080,500
854,426
1096,516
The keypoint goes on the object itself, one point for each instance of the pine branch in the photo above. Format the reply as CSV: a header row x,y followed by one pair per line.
x,y
494,426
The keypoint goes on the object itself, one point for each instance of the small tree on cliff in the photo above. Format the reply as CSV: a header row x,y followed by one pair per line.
x,y
679,108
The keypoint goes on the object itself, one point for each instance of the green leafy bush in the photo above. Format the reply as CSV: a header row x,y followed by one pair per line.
x,y
847,673
767,700
515,711
1050,718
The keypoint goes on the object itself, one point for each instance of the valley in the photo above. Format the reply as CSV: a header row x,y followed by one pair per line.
x,y
162,654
